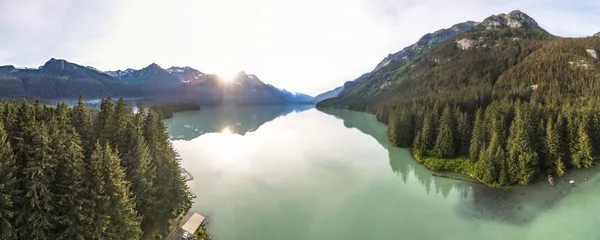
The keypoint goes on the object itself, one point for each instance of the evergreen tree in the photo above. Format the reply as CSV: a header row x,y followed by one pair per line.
x,y
102,126
427,132
124,222
96,207
485,168
523,160
80,120
35,219
140,172
553,144
444,145
118,125
7,187
478,136
53,185
394,128
583,153
463,132
561,133
66,151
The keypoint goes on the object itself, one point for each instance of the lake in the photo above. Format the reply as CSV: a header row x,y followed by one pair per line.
x,y
294,172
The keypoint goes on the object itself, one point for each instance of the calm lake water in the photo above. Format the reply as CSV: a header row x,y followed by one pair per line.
x,y
294,172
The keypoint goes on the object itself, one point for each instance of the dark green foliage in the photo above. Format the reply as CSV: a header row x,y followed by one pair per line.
x,y
582,155
7,187
463,133
66,150
533,99
477,139
139,170
444,147
124,222
400,128
62,177
167,110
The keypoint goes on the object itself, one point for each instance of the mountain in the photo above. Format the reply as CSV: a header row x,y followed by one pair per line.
x,y
424,44
503,103
154,80
188,74
500,41
294,97
393,63
58,78
329,94
247,88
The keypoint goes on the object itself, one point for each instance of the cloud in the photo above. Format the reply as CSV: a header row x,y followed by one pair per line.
x,y
302,45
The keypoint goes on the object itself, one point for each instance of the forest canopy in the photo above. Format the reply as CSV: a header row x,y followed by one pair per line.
x,y
84,173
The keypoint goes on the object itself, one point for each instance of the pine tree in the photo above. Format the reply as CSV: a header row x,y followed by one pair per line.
x,y
53,188
67,153
541,147
561,133
463,133
583,155
478,136
80,120
561,168
444,145
7,187
124,222
485,168
102,125
394,127
35,220
523,160
140,172
427,132
552,143
571,136
96,205
118,125
170,189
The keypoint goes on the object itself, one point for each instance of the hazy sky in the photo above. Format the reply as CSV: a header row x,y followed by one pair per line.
x,y
305,46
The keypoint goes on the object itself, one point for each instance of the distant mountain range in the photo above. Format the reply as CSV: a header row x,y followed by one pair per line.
x,y
60,79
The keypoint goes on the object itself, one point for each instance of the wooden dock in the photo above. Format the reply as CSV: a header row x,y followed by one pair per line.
x,y
190,224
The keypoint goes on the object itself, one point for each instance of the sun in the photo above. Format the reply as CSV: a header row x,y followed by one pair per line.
x,y
227,76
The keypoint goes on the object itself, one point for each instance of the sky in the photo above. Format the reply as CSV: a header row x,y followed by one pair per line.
x,y
307,46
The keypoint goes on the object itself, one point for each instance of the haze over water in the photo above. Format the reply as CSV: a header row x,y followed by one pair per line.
x,y
294,172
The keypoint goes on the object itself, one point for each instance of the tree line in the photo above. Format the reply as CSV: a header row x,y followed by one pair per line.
x,y
82,173
507,142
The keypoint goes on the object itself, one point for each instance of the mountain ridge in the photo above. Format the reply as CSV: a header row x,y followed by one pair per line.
x,y
59,78
401,58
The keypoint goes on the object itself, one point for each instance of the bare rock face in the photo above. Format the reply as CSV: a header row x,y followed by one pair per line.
x,y
514,19
597,34
592,53
465,43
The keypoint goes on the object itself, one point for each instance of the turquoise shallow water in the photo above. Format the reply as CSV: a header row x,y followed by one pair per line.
x,y
294,172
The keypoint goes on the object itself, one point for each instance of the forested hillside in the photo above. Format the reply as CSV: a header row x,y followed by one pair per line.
x,y
506,103
78,173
